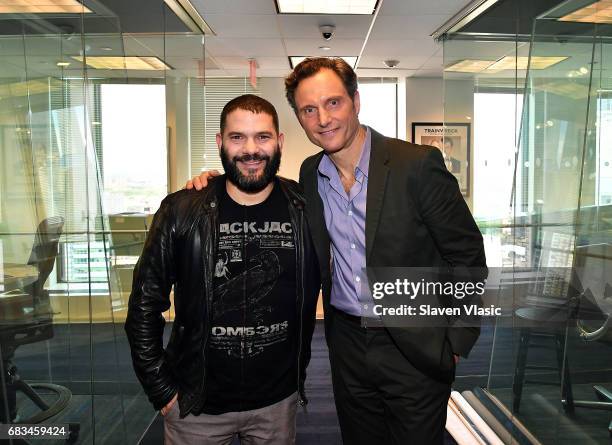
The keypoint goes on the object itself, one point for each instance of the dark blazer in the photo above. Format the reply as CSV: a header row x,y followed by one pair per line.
x,y
415,217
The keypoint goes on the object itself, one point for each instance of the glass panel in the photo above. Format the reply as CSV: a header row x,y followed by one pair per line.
x,y
550,353
67,255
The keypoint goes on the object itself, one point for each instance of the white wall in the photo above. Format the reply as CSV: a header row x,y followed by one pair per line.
x,y
436,100
424,102
297,146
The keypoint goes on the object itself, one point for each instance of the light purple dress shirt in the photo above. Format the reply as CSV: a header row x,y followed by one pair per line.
x,y
345,218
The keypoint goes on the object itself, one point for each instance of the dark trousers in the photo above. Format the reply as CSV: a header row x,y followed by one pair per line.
x,y
381,399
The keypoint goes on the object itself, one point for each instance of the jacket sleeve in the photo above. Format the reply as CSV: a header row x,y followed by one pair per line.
x,y
312,286
154,276
453,229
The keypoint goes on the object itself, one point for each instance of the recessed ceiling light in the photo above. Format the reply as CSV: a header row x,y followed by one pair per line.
x,y
521,63
63,64
42,7
295,60
324,48
326,6
106,48
124,63
469,66
599,12
505,63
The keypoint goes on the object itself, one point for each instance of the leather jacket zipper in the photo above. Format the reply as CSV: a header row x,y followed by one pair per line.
x,y
300,266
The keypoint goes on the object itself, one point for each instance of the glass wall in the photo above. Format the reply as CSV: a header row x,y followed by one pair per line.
x,y
90,106
539,103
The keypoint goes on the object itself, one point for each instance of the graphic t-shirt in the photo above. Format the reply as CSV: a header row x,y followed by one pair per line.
x,y
252,356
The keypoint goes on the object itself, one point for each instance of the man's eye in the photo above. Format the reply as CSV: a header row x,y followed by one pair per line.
x,y
334,102
264,137
309,110
236,137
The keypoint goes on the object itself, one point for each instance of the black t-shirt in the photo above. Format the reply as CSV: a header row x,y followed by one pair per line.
x,y
252,355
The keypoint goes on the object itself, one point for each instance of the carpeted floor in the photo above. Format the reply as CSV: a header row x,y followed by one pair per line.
x,y
78,355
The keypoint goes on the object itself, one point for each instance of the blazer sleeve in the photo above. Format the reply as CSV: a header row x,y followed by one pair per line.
x,y
453,229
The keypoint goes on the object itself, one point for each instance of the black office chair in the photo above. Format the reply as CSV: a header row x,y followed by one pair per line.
x,y
545,316
594,320
31,321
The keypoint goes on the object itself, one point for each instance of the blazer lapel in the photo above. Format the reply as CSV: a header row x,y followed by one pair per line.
x,y
377,182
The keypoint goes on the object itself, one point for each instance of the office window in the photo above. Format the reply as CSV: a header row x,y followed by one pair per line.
x,y
133,120
496,126
379,104
604,152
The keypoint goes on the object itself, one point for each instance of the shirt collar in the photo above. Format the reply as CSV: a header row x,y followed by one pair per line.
x,y
327,167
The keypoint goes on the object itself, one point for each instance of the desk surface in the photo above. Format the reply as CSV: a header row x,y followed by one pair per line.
x,y
17,276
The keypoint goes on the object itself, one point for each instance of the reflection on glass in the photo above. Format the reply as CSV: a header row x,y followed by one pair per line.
x,y
70,130
542,178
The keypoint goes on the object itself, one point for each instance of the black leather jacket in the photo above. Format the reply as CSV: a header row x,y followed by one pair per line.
x,y
180,252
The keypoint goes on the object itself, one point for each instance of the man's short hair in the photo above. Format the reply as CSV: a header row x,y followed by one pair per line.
x,y
311,66
252,103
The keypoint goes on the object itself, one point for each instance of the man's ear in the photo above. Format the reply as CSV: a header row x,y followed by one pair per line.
x,y
281,141
357,102
219,138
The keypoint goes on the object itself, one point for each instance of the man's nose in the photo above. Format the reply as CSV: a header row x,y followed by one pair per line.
x,y
324,118
250,146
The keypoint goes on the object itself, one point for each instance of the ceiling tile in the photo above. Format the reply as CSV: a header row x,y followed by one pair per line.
x,y
205,7
404,47
406,26
406,62
245,47
342,47
250,26
420,7
307,26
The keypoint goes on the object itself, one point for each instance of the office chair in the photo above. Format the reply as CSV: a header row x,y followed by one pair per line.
x,y
594,319
31,321
545,317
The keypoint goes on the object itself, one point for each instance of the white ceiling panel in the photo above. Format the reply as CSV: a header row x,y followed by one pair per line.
x,y
307,26
406,62
429,73
245,26
433,63
251,28
406,26
245,47
420,7
206,7
384,72
386,48
311,47
243,63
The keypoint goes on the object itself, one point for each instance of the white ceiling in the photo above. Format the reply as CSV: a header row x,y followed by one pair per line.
x,y
253,29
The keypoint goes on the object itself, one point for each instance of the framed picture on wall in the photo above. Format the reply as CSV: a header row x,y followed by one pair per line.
x,y
453,140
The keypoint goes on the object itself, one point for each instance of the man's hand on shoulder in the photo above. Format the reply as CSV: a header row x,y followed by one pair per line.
x,y
201,182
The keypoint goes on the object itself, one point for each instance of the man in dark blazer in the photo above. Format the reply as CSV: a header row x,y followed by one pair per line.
x,y
391,384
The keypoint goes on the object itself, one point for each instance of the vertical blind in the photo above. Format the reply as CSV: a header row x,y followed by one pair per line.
x,y
205,105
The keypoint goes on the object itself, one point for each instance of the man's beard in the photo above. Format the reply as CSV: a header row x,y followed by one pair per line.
x,y
249,183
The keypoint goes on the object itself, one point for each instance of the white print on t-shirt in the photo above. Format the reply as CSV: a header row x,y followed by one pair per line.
x,y
221,269
251,227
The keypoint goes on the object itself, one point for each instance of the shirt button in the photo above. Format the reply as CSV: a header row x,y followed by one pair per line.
x,y
352,246
357,279
350,213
